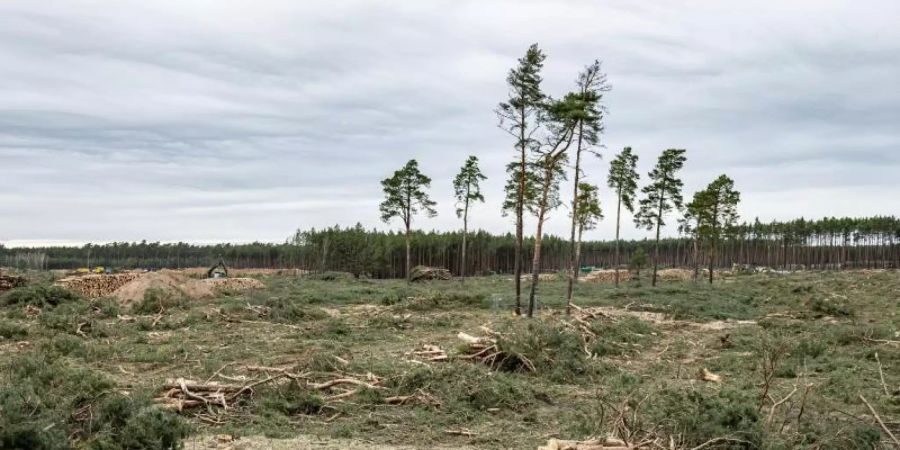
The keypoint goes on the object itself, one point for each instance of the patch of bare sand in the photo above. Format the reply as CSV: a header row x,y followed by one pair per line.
x,y
168,281
177,282
225,442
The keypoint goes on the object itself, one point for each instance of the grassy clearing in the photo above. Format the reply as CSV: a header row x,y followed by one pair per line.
x,y
83,373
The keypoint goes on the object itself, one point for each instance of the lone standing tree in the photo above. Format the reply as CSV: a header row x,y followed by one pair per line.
x,y
623,178
586,214
716,212
520,116
561,119
405,196
467,189
661,196
589,116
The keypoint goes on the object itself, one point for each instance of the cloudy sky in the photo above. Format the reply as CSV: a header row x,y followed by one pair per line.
x,y
237,121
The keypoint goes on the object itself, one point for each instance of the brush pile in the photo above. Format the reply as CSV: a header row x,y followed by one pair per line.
x,y
428,353
95,285
10,282
425,273
181,394
607,276
488,351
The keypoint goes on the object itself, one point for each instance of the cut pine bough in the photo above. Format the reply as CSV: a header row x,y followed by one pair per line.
x,y
183,394
486,350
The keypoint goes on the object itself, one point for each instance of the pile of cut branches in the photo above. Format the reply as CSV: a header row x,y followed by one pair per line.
x,y
428,353
425,273
490,351
182,394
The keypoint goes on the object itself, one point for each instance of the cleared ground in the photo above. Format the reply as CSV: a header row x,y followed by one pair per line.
x,y
629,365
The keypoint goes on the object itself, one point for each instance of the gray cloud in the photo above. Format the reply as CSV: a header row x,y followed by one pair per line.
x,y
191,120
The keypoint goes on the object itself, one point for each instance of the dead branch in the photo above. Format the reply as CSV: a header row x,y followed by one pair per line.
x,y
881,374
720,439
776,404
339,381
460,432
880,422
706,375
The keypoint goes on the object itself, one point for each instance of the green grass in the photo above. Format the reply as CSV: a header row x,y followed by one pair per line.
x,y
112,359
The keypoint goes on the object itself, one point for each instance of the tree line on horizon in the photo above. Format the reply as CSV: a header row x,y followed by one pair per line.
x,y
823,244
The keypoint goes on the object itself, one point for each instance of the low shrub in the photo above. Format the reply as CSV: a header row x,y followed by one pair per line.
x,y
462,385
830,307
40,295
45,402
157,300
9,330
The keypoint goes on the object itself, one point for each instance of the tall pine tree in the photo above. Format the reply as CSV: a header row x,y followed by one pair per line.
x,y
661,196
589,116
467,189
405,196
623,178
519,116
716,211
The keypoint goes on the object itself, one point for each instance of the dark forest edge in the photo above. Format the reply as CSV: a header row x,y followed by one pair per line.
x,y
829,243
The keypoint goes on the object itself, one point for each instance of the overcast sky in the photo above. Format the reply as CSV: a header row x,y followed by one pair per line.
x,y
207,121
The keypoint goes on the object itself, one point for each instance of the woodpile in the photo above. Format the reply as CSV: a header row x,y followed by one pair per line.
x,y
675,275
94,285
8,282
425,273
607,276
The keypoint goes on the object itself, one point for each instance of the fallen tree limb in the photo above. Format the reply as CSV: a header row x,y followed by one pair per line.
x,y
880,422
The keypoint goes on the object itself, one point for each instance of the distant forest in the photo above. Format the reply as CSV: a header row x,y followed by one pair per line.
x,y
831,243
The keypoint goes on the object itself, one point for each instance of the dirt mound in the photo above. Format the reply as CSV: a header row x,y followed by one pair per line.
x,y
177,282
201,272
165,280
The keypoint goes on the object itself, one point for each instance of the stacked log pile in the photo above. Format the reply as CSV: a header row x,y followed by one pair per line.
x,y
607,276
10,282
93,286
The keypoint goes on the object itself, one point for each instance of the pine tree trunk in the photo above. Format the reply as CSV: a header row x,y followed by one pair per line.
x,y
696,259
573,259
520,212
618,223
542,210
462,265
656,246
536,263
